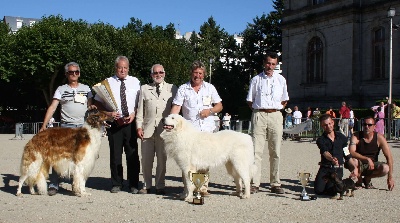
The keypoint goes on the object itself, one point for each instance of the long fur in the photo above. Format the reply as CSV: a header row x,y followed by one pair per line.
x,y
70,151
194,150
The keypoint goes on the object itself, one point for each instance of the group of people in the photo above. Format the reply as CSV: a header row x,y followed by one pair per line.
x,y
360,157
141,107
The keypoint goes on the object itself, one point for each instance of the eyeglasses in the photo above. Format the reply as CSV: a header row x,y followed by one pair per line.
x,y
72,72
159,72
367,124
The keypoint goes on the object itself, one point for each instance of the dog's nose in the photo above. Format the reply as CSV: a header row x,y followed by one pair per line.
x,y
163,120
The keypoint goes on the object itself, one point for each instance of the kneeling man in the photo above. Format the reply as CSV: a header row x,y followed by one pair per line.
x,y
365,147
334,156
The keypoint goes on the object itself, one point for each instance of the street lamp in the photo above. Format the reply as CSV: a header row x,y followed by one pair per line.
x,y
391,13
211,61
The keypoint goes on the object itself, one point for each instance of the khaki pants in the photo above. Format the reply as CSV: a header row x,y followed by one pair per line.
x,y
267,132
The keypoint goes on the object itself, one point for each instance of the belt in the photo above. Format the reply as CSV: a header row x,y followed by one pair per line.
x,y
330,165
268,110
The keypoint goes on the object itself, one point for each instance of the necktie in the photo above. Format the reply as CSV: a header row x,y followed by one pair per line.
x,y
158,89
124,105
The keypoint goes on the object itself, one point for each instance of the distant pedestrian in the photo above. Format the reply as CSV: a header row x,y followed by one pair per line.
x,y
288,118
297,115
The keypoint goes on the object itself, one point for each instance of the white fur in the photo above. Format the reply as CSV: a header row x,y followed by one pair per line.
x,y
194,150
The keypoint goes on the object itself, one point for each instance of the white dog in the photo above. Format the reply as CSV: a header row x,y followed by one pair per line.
x,y
195,150
70,151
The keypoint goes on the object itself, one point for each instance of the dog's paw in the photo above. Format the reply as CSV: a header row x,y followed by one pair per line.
x,y
82,194
245,196
189,198
18,194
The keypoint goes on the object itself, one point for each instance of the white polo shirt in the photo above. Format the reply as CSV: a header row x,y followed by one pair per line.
x,y
267,92
193,103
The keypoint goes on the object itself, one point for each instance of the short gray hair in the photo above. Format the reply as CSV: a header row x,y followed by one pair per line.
x,y
121,58
156,65
71,64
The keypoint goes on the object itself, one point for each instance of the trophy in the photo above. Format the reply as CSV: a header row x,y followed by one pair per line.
x,y
103,90
304,178
198,179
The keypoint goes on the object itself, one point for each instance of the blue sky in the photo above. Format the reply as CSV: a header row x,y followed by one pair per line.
x,y
232,15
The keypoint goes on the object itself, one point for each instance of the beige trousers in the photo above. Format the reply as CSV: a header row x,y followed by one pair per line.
x,y
151,147
267,132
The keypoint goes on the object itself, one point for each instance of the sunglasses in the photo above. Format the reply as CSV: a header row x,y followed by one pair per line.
x,y
72,72
367,124
159,72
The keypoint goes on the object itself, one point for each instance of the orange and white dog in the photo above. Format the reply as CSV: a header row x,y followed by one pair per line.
x,y
70,151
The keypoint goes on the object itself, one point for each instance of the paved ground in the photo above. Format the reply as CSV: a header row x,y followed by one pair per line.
x,y
367,205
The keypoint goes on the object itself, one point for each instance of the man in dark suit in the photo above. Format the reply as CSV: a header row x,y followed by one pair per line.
x,y
122,135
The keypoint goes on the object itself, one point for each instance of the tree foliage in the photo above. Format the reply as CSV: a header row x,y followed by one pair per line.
x,y
32,60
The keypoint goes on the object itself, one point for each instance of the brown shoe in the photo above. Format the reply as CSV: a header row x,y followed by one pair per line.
x,y
277,190
254,189
205,193
144,191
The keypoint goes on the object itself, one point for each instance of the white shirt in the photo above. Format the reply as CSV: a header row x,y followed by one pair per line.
x,y
297,117
351,114
227,120
267,92
193,103
132,85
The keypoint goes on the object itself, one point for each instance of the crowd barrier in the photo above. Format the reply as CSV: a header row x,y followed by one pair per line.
x,y
22,129
243,126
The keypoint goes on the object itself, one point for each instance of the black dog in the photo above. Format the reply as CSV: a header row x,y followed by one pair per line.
x,y
341,186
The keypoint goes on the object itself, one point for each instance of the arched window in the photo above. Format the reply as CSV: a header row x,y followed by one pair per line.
x,y
378,57
315,61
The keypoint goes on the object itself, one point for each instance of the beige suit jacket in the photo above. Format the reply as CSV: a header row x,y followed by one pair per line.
x,y
152,108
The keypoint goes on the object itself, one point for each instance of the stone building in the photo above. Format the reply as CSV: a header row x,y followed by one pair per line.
x,y
338,50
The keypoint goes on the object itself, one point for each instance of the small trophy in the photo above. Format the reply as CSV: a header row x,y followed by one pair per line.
x,y
198,179
304,178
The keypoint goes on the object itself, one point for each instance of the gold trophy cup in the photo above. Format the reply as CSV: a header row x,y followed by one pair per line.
x,y
198,180
304,178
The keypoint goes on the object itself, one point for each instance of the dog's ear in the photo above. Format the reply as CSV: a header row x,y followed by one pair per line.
x,y
93,120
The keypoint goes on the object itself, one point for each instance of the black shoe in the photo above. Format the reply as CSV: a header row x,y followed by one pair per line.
x,y
115,189
160,192
134,190
52,191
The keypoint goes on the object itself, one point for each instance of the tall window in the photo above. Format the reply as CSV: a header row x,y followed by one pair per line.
x,y
379,53
19,23
315,61
316,2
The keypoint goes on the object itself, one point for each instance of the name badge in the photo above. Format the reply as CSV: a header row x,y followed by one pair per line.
x,y
346,151
80,98
206,100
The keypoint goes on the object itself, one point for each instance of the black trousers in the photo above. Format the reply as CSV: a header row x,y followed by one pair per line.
x,y
124,139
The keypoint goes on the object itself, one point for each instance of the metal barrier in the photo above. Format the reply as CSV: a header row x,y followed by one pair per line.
x,y
29,128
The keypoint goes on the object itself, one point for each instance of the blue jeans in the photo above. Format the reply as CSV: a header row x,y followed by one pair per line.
x,y
396,127
54,178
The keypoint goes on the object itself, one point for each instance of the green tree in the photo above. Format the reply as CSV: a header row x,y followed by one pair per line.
x,y
263,35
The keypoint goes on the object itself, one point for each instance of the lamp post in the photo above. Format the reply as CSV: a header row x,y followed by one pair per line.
x,y
391,13
211,61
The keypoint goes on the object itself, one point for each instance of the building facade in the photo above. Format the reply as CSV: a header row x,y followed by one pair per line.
x,y
15,23
338,50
